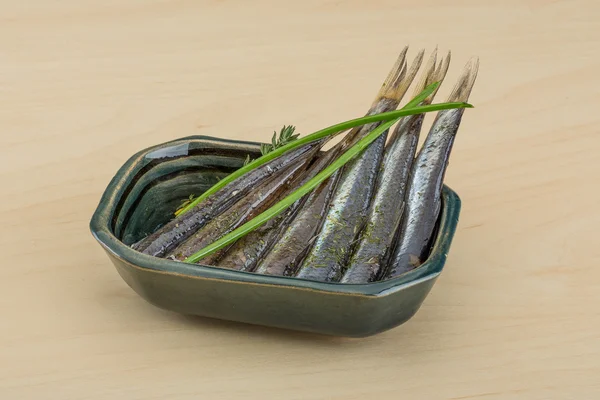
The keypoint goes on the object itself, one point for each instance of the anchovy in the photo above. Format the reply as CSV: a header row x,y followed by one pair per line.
x,y
376,237
423,202
258,200
346,213
185,225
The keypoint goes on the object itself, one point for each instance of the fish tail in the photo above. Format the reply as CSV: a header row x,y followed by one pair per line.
x,y
465,84
434,72
399,78
427,76
392,77
439,75
443,67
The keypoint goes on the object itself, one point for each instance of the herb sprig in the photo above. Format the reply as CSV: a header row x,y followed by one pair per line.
x,y
286,136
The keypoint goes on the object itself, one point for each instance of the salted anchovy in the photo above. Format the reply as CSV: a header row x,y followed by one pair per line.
x,y
349,205
258,200
244,254
181,228
385,211
423,202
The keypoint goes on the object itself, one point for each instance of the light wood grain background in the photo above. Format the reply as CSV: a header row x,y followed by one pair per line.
x,y
84,84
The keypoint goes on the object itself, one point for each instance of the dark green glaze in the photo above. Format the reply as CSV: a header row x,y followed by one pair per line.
x,y
149,187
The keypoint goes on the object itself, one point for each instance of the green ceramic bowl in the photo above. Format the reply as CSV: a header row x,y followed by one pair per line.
x,y
153,183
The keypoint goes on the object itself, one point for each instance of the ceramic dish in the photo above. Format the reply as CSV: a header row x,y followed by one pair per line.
x,y
153,183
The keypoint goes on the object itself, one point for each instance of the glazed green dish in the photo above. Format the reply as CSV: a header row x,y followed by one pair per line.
x,y
153,183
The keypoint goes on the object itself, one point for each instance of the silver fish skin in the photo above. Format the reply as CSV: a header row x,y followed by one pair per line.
x,y
344,216
244,254
423,202
289,247
386,209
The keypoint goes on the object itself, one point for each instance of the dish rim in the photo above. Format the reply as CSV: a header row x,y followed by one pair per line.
x,y
100,229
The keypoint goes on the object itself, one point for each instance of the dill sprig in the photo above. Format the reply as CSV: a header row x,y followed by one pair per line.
x,y
286,136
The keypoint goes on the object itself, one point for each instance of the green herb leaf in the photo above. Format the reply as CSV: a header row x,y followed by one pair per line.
x,y
184,204
274,140
265,148
286,136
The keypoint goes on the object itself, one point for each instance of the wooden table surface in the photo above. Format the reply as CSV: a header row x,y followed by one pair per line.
x,y
85,84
